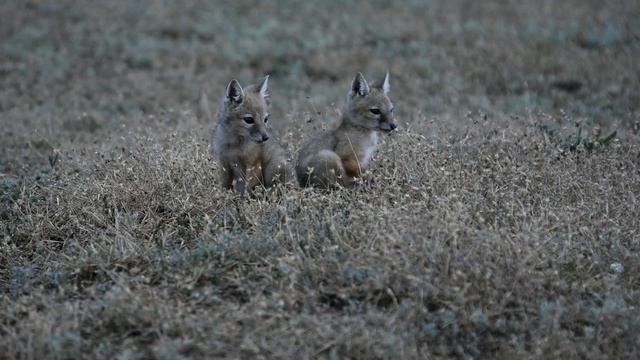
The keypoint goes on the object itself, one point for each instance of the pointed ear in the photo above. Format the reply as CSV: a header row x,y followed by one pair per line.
x,y
359,85
235,94
263,88
385,84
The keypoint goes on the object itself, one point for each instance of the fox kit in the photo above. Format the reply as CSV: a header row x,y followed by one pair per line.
x,y
241,139
342,154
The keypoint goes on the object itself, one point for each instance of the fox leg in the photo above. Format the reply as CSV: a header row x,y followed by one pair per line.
x,y
326,170
354,169
254,176
226,177
238,179
233,177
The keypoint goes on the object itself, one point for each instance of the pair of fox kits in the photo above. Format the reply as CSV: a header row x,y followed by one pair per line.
x,y
334,158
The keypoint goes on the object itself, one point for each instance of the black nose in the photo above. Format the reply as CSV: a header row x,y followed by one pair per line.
x,y
265,137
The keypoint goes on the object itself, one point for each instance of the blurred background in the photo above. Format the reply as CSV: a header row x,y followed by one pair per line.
x,y
78,71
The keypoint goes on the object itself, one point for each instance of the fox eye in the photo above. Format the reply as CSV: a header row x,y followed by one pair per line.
x,y
391,110
248,119
375,111
266,118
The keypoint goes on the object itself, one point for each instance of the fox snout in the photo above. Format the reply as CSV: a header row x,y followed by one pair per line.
x,y
259,137
387,125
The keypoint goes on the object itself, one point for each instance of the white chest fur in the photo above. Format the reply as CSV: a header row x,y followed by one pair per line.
x,y
369,149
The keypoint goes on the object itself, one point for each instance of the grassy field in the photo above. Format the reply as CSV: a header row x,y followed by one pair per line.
x,y
503,220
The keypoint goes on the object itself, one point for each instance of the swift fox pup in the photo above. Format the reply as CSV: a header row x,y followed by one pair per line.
x,y
241,139
338,156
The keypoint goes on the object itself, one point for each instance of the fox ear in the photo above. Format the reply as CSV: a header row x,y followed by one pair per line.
x,y
263,88
235,94
385,84
359,85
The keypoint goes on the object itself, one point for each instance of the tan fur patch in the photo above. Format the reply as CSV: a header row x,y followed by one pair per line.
x,y
352,166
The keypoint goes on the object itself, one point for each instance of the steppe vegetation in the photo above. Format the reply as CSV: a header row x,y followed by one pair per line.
x,y
502,219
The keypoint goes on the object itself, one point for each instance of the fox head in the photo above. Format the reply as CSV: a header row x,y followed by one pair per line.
x,y
370,106
246,111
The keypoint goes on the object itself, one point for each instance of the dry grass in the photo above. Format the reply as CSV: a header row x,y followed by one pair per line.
x,y
487,231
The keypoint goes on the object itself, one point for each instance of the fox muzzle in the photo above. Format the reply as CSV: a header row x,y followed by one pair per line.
x,y
387,126
259,137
